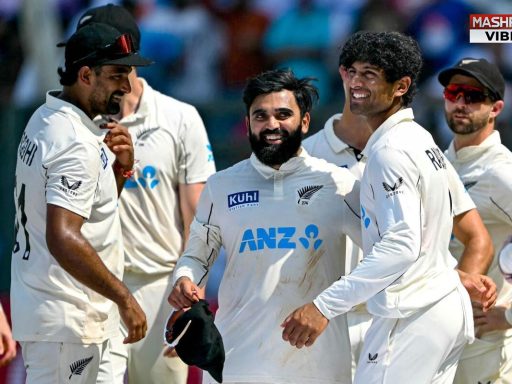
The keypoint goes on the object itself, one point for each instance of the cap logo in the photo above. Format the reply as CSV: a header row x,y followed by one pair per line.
x,y
468,61
84,19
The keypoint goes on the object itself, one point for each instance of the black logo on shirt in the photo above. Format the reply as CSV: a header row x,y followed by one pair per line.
x,y
70,187
372,359
78,366
393,189
306,193
469,184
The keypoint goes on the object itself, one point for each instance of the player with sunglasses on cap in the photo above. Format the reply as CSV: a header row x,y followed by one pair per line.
x,y
67,262
474,93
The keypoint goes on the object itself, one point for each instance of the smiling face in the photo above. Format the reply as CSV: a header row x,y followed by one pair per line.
x,y
370,94
111,84
467,118
275,127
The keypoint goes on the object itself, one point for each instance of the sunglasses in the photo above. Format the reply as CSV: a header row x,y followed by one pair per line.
x,y
121,47
170,337
470,94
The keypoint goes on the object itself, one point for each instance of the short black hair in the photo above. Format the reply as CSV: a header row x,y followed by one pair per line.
x,y
398,55
277,80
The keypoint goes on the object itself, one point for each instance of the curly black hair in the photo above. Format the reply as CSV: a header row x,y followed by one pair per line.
x,y
398,55
277,80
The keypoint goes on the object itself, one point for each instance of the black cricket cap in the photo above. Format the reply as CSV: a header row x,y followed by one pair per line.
x,y
198,340
486,73
101,44
114,15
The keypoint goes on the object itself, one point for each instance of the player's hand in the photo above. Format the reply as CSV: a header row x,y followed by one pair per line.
x,y
490,320
304,325
119,141
481,289
184,294
134,319
7,343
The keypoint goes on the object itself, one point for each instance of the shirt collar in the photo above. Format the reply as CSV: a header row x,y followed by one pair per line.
x,y
292,165
53,102
405,114
334,141
474,151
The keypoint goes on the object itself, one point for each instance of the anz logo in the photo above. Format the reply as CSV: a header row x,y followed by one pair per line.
x,y
366,220
147,180
280,238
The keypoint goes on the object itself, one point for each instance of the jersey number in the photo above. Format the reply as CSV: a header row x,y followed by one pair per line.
x,y
21,208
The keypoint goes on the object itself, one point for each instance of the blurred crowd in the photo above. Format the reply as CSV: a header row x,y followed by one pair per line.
x,y
205,49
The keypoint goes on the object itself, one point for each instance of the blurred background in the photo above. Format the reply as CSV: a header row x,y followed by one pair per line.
x,y
205,49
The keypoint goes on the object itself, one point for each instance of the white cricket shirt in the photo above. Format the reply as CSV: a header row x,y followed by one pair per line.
x,y
486,171
283,231
62,160
171,148
406,218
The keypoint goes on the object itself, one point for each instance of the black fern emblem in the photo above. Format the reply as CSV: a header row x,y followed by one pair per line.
x,y
398,184
306,193
64,181
78,366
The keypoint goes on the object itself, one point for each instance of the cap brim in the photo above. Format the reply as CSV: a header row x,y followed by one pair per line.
x,y
216,373
445,76
134,60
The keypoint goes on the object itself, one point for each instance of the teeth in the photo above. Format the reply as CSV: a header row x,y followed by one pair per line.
x,y
358,95
273,137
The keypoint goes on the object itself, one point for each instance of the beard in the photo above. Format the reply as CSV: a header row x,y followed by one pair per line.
x,y
468,127
276,154
99,107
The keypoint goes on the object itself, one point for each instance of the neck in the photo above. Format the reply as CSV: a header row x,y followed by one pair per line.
x,y
72,95
375,121
473,139
352,129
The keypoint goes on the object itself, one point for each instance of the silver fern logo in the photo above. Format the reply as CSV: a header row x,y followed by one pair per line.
x,y
78,366
306,193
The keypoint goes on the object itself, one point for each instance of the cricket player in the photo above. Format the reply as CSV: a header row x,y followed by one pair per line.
x,y
474,91
67,261
282,217
407,275
174,159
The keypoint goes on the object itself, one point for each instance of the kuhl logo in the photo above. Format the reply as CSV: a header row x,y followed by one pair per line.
x,y
280,238
78,366
306,193
71,186
243,199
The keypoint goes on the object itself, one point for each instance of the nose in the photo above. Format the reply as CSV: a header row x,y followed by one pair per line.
x,y
125,86
273,123
460,99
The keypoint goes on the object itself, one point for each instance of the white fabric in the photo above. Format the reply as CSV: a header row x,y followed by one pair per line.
x,y
282,248
59,363
171,148
407,220
486,171
62,160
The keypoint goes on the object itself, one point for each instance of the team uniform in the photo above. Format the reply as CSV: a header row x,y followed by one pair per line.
x,y
171,148
63,325
407,275
326,145
283,231
485,170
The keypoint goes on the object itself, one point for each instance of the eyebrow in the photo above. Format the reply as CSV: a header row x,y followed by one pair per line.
x,y
261,110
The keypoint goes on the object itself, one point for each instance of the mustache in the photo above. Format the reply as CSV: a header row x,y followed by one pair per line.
x,y
279,131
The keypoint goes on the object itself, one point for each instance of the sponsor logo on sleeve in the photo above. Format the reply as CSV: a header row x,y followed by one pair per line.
x,y
393,189
243,200
69,186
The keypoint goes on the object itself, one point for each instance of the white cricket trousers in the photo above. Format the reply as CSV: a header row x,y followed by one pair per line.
x,y
422,349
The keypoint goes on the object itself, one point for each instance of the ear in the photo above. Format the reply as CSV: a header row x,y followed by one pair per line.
x,y
85,74
402,86
343,72
497,107
247,125
305,122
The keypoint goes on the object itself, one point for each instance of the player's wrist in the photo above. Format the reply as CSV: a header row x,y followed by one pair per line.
x,y
124,171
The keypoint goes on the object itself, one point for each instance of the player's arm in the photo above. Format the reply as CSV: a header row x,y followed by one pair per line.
x,y
7,343
77,257
192,268
189,197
